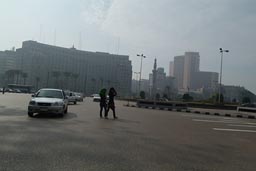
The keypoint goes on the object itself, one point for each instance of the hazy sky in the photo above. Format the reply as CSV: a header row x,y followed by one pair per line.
x,y
161,29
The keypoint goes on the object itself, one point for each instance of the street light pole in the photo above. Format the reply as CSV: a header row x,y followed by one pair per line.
x,y
142,56
221,54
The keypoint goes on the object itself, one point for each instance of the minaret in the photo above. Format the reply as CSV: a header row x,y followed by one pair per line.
x,y
154,80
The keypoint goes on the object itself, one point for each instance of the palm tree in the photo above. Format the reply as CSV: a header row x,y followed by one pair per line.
x,y
37,82
10,75
93,83
24,76
67,75
75,77
17,73
108,82
101,82
56,74
167,91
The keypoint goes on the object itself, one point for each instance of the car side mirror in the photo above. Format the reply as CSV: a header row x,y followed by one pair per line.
x,y
32,95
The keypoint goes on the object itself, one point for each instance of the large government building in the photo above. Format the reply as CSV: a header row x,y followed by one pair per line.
x,y
41,65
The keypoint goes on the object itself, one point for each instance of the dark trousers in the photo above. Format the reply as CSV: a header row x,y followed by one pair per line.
x,y
112,107
103,106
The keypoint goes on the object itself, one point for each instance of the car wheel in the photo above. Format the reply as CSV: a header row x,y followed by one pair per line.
x,y
74,102
30,114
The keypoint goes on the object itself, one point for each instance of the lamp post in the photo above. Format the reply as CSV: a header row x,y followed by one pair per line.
x,y
221,54
141,56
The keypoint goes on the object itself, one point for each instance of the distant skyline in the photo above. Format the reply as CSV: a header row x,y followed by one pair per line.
x,y
159,29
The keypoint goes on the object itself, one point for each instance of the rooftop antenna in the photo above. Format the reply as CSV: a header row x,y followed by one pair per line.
x,y
118,45
40,35
54,41
80,41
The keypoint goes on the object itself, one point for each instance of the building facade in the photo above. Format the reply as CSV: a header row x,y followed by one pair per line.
x,y
7,63
178,70
191,67
171,69
205,80
82,71
188,75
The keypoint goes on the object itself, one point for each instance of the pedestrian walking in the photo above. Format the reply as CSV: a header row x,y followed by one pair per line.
x,y
111,104
103,102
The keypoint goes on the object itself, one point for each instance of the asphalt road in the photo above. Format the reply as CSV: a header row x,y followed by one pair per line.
x,y
141,139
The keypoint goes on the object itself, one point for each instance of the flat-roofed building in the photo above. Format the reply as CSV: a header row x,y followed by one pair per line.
x,y
69,68
204,79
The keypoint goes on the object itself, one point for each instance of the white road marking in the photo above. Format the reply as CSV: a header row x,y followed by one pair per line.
x,y
225,121
250,123
234,130
214,121
195,116
249,126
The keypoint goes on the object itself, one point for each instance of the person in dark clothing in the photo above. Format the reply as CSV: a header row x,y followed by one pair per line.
x,y
103,101
111,104
3,90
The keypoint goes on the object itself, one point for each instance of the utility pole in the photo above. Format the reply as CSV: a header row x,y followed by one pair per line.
x,y
221,56
141,56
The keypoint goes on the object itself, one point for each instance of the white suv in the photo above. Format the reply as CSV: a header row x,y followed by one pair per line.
x,y
53,101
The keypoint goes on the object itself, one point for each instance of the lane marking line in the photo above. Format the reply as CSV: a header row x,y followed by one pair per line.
x,y
250,123
234,130
213,121
249,126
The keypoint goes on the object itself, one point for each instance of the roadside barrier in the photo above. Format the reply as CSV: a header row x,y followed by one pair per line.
x,y
183,107
162,105
246,109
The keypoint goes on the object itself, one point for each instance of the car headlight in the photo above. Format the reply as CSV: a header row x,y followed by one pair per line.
x,y
58,104
32,103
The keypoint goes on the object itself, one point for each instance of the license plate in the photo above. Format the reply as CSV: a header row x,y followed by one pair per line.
x,y
44,110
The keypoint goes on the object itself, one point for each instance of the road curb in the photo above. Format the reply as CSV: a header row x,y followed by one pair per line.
x,y
198,112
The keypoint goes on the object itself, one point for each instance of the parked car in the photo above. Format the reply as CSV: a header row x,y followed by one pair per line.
x,y
96,97
249,105
17,91
9,90
71,97
79,97
51,101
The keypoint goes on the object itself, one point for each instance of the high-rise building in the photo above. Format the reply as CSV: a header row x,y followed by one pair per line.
x,y
191,66
188,75
69,68
178,70
171,69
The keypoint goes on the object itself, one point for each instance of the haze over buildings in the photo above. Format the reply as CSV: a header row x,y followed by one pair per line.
x,y
158,29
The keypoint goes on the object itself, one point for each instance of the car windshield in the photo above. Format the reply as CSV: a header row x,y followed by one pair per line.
x,y
50,94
